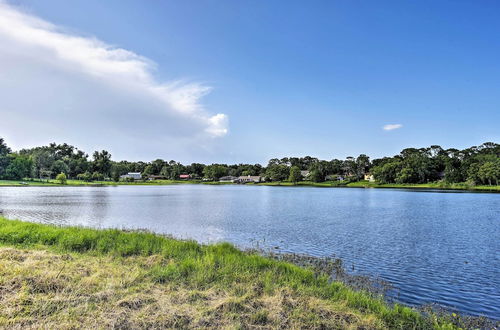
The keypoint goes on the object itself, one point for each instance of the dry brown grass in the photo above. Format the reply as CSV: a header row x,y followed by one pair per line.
x,y
41,289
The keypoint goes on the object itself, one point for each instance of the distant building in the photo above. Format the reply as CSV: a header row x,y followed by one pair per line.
x,y
184,176
228,179
249,178
334,177
305,174
132,175
369,177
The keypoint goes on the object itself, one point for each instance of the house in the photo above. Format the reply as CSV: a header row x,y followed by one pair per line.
x,y
249,178
228,179
305,174
132,175
369,177
184,176
334,177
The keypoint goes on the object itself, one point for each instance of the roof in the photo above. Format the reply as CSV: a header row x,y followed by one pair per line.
x,y
229,177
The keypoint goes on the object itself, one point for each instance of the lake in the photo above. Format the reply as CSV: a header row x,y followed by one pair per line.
x,y
433,246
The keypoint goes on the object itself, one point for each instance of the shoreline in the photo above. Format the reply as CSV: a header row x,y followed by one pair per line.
x,y
165,263
435,186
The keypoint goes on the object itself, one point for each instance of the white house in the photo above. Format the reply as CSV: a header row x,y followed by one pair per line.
x,y
249,178
228,179
369,177
132,175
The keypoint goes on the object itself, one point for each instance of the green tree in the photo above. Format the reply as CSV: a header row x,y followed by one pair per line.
x,y
388,171
149,170
19,167
349,166
61,177
295,175
316,176
84,176
362,166
277,172
165,171
59,166
215,171
4,157
489,172
96,176
102,163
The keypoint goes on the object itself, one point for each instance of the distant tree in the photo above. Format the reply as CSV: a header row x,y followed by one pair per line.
x,y
84,176
149,170
452,170
196,169
102,163
59,166
318,171
277,172
362,166
295,174
165,171
96,176
19,167
61,177
387,172
349,166
316,176
335,166
156,166
489,172
4,157
176,169
215,171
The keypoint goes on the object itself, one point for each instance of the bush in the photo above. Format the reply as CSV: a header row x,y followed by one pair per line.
x,y
84,177
96,176
61,177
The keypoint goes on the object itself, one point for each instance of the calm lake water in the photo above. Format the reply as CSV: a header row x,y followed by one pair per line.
x,y
434,247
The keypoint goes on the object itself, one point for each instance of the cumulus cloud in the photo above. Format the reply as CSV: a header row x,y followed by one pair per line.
x,y
390,127
58,86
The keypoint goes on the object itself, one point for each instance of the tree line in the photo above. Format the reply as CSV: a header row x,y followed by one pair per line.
x,y
476,165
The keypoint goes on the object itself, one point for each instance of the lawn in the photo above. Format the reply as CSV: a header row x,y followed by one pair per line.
x,y
326,184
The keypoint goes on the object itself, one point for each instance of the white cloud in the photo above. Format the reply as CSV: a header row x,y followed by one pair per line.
x,y
390,127
58,86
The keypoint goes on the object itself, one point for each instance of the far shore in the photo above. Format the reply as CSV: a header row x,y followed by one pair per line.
x,y
326,184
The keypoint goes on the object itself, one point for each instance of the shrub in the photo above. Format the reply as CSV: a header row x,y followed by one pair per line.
x,y
61,177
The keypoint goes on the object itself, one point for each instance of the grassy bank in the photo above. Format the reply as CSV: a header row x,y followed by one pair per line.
x,y
36,182
432,185
326,184
68,277
367,184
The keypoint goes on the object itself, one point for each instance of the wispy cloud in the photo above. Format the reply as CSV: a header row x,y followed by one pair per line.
x,y
390,127
65,87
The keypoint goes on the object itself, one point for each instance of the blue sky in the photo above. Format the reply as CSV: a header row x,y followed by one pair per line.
x,y
296,78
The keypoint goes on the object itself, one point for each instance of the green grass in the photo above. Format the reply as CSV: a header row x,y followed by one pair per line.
x,y
246,280
431,185
52,182
326,184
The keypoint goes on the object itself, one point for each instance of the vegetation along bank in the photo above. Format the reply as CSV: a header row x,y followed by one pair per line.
x,y
63,277
474,168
